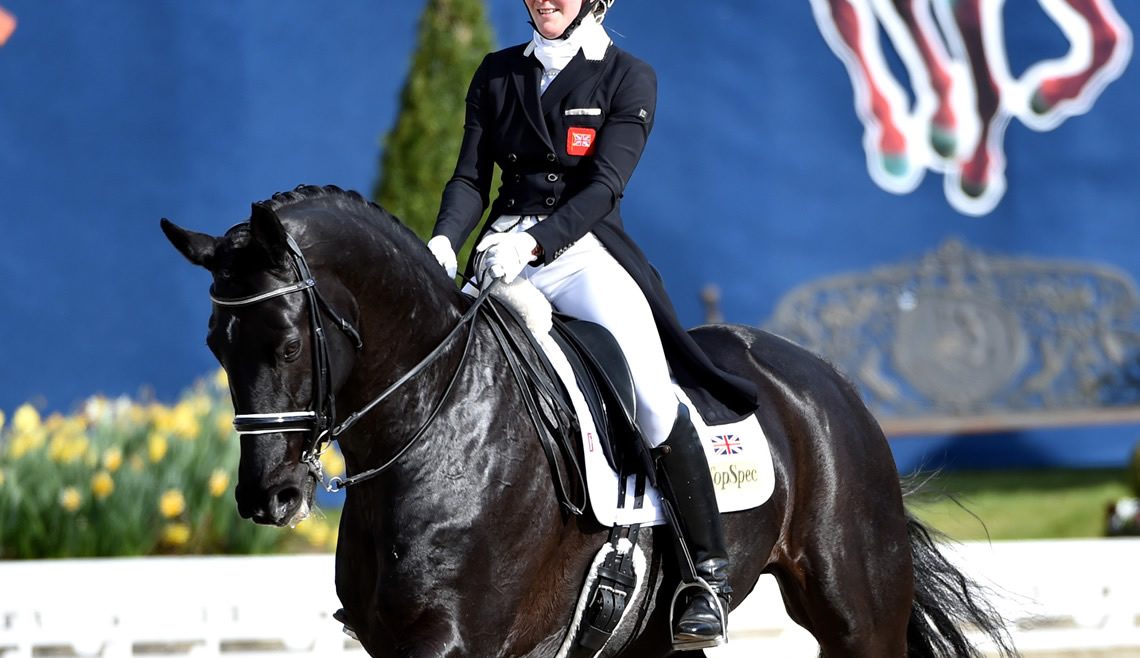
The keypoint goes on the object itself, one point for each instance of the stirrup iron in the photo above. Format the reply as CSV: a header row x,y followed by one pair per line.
x,y
694,643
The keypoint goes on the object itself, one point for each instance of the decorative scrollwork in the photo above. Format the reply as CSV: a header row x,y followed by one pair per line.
x,y
962,332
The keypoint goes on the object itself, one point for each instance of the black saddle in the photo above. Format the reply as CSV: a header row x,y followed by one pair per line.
x,y
606,382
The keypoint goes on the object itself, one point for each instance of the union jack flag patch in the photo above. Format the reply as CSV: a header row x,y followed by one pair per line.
x,y
727,444
580,141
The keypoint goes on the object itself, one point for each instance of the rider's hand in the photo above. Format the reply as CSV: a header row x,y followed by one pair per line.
x,y
506,254
440,247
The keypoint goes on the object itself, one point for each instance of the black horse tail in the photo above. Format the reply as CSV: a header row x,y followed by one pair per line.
x,y
946,602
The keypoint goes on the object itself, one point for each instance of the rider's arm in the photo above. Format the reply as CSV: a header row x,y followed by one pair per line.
x,y
618,148
467,194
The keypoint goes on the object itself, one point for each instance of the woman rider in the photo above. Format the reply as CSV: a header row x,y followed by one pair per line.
x,y
566,116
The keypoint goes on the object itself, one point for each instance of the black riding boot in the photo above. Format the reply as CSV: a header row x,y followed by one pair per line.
x,y
683,477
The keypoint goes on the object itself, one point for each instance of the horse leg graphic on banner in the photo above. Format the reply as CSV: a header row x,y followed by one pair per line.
x,y
7,26
956,57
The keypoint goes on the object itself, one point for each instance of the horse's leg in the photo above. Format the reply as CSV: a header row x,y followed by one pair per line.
x,y
919,23
834,533
872,104
845,569
978,171
843,558
1110,39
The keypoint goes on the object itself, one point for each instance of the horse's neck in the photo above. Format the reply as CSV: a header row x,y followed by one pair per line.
x,y
452,505
402,324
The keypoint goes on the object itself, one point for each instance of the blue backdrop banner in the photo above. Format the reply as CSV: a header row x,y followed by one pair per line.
x,y
794,140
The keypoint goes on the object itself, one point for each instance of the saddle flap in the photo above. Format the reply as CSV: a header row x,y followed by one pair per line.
x,y
605,381
601,350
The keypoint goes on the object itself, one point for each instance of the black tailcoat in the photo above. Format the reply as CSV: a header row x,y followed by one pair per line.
x,y
568,153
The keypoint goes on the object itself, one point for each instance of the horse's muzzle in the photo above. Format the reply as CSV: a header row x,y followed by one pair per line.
x,y
283,504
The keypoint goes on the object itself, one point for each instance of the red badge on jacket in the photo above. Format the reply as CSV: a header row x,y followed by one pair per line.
x,y
580,141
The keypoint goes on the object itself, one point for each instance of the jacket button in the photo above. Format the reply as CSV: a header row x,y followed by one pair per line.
x,y
551,157
510,203
549,202
552,177
511,157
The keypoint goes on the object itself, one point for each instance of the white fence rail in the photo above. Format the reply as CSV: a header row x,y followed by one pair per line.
x,y
1073,597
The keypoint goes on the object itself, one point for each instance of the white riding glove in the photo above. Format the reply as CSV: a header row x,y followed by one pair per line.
x,y
506,254
440,247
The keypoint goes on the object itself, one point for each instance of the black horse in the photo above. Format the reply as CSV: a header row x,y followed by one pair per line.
x,y
459,547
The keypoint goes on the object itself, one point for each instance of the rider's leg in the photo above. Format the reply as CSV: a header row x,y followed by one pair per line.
x,y
683,474
588,283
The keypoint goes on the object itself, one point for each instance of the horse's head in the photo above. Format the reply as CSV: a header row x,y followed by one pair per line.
x,y
283,366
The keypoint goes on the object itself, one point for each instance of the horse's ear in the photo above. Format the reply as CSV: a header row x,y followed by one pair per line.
x,y
268,232
198,248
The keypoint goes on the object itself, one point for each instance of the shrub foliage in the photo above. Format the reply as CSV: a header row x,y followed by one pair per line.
x,y
420,151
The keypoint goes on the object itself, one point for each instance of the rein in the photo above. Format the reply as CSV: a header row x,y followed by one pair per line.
x,y
336,484
320,420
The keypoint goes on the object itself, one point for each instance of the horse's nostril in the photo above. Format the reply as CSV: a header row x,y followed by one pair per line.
x,y
284,502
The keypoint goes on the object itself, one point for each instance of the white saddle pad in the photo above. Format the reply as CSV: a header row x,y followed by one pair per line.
x,y
739,459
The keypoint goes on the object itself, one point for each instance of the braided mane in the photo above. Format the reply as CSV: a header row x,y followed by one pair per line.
x,y
348,206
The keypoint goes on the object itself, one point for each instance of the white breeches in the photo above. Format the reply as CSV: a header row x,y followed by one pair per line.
x,y
586,282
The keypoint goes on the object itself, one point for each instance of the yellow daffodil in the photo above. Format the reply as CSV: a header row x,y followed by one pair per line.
x,y
225,424
171,504
2,478
136,414
67,447
24,442
26,420
175,534
200,402
318,534
219,482
1,419
156,447
184,420
54,422
72,424
102,484
160,416
70,499
113,459
332,463
137,463
221,380
56,448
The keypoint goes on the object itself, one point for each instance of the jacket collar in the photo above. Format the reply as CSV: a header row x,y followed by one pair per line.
x,y
576,72
525,75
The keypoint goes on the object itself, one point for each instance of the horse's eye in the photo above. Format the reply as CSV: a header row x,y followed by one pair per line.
x,y
292,350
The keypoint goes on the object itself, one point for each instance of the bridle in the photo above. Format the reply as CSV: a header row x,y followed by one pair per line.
x,y
320,419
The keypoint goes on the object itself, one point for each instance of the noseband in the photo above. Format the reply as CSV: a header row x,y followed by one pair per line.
x,y
320,420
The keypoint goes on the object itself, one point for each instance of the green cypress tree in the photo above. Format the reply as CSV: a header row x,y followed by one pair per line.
x,y
420,151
